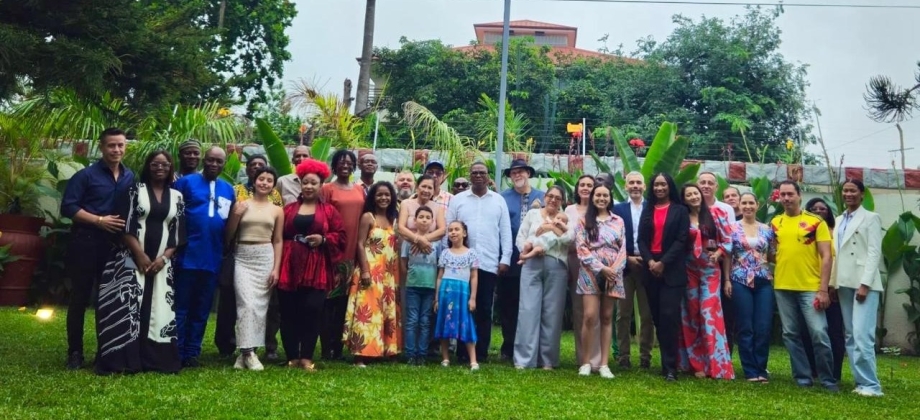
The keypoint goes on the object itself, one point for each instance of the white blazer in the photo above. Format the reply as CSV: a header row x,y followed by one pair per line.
x,y
860,252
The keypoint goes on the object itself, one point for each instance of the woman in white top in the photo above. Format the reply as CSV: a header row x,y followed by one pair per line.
x,y
543,241
576,212
259,223
858,240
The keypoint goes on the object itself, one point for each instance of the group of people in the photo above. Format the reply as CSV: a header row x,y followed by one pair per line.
x,y
383,269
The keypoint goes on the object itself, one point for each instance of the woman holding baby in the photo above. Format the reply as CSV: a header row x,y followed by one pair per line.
x,y
543,241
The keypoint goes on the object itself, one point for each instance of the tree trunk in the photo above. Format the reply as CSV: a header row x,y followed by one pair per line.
x,y
220,16
364,74
901,133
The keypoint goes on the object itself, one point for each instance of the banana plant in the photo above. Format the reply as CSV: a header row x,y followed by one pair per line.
x,y
274,148
666,154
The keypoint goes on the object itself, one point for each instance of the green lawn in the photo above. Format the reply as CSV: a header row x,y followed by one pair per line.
x,y
34,384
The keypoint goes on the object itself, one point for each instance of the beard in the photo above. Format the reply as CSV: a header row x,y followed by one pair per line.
x,y
404,194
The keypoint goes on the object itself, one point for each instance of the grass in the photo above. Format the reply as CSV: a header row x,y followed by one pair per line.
x,y
34,384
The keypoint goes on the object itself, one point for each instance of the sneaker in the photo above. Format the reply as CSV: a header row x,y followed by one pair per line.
x,y
605,372
240,363
584,370
865,392
251,361
75,360
445,363
474,367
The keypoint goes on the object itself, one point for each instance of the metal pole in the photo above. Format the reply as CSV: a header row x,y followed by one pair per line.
x,y
502,91
376,128
584,136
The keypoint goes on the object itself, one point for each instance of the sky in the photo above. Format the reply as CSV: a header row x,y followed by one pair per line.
x,y
843,48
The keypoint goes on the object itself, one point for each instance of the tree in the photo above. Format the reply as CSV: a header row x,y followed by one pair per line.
x,y
367,49
147,52
890,103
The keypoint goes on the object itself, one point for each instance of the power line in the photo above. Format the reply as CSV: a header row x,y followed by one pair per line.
x,y
737,3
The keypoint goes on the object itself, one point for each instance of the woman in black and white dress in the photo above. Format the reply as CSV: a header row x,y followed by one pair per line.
x,y
135,319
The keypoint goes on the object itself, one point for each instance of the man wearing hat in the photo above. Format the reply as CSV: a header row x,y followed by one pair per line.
x,y
435,169
189,157
520,198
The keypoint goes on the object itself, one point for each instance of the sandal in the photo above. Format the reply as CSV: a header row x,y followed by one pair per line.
x,y
309,367
293,364
445,363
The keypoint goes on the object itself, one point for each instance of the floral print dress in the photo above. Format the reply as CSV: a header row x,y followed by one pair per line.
x,y
703,345
372,320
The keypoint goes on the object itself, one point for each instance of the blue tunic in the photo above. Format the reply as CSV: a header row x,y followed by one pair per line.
x,y
207,206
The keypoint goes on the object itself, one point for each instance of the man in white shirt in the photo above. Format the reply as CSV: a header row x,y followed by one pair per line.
x,y
708,186
485,214
630,211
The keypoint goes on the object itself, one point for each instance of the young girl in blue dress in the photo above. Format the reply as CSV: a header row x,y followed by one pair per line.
x,y
455,294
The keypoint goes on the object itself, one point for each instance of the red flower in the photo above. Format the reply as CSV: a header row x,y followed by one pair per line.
x,y
775,196
637,142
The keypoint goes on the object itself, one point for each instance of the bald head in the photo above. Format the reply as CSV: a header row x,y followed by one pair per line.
x,y
214,160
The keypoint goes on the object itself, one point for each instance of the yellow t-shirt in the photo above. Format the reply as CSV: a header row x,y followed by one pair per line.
x,y
798,263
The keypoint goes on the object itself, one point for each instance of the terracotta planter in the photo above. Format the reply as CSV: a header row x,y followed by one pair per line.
x,y
22,232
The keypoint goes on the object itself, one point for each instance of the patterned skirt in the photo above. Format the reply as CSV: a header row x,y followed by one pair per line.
x,y
454,319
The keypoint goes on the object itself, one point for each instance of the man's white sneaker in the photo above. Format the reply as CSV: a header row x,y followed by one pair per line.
x,y
605,372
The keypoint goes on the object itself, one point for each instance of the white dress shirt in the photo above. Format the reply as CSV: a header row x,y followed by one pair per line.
x,y
488,225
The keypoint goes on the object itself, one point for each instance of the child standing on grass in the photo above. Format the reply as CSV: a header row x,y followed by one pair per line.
x,y
422,273
455,294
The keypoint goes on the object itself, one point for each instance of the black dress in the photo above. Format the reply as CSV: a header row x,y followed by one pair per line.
x,y
135,319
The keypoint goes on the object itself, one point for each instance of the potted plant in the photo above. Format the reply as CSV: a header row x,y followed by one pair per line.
x,y
24,180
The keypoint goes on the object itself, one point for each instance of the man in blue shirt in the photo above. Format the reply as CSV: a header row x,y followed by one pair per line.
x,y
207,204
89,201
520,198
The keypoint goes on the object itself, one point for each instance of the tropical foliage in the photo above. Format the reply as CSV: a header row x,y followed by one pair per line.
x,y
329,115
899,253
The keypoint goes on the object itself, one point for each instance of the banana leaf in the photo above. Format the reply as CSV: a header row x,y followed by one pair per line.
x,y
619,188
231,168
687,174
320,149
630,162
658,149
673,157
600,164
274,148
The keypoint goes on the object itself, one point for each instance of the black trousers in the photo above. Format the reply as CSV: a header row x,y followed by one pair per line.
x,y
664,302
835,331
301,319
225,330
728,316
507,300
333,326
485,297
87,253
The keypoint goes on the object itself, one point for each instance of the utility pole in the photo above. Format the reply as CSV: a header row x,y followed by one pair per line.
x,y
502,92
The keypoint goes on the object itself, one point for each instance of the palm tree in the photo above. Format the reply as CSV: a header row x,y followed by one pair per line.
x,y
889,103
328,115
364,73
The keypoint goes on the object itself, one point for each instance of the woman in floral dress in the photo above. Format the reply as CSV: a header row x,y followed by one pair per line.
x,y
703,344
372,320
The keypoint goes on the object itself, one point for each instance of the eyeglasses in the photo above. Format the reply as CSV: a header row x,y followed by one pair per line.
x,y
434,173
553,197
159,165
461,184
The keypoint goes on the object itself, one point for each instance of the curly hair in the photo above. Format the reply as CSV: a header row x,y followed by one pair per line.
x,y
313,166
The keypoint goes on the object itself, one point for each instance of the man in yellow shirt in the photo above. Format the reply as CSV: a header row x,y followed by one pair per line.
x,y
803,269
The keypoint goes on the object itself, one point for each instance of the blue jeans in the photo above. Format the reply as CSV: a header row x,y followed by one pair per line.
x,y
754,324
859,319
419,301
194,297
797,314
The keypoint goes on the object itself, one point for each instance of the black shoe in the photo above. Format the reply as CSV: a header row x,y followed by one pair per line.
x,y
75,360
645,364
191,363
625,364
271,355
670,377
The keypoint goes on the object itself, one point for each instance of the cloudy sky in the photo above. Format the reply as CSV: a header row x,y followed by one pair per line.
x,y
842,46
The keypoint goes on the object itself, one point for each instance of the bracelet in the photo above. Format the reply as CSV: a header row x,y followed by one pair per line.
x,y
99,220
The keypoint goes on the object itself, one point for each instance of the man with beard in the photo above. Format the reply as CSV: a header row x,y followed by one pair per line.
x,y
485,214
519,199
208,200
189,158
631,211
803,270
367,163
405,185
224,333
89,201
289,185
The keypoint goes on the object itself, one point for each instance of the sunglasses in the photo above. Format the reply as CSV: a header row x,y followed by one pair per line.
x,y
461,184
